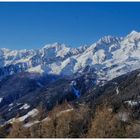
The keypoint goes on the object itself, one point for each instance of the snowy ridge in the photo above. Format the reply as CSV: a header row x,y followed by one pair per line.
x,y
109,57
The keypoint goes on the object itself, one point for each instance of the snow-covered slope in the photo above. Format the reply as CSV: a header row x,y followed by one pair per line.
x,y
109,57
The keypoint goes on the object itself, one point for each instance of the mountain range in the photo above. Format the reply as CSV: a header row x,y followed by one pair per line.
x,y
107,69
109,57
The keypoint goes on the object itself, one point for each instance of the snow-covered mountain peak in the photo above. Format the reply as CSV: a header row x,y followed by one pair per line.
x,y
107,44
133,32
5,49
134,35
109,40
54,50
56,46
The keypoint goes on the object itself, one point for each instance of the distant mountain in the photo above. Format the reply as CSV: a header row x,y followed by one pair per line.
x,y
109,57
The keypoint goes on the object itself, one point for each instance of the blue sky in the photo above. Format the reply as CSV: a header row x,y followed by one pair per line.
x,y
32,25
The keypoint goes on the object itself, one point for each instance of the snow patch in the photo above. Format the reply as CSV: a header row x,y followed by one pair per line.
x,y
132,103
117,90
10,109
10,121
31,113
31,123
1,100
37,69
25,106
123,116
64,111
73,83
10,104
